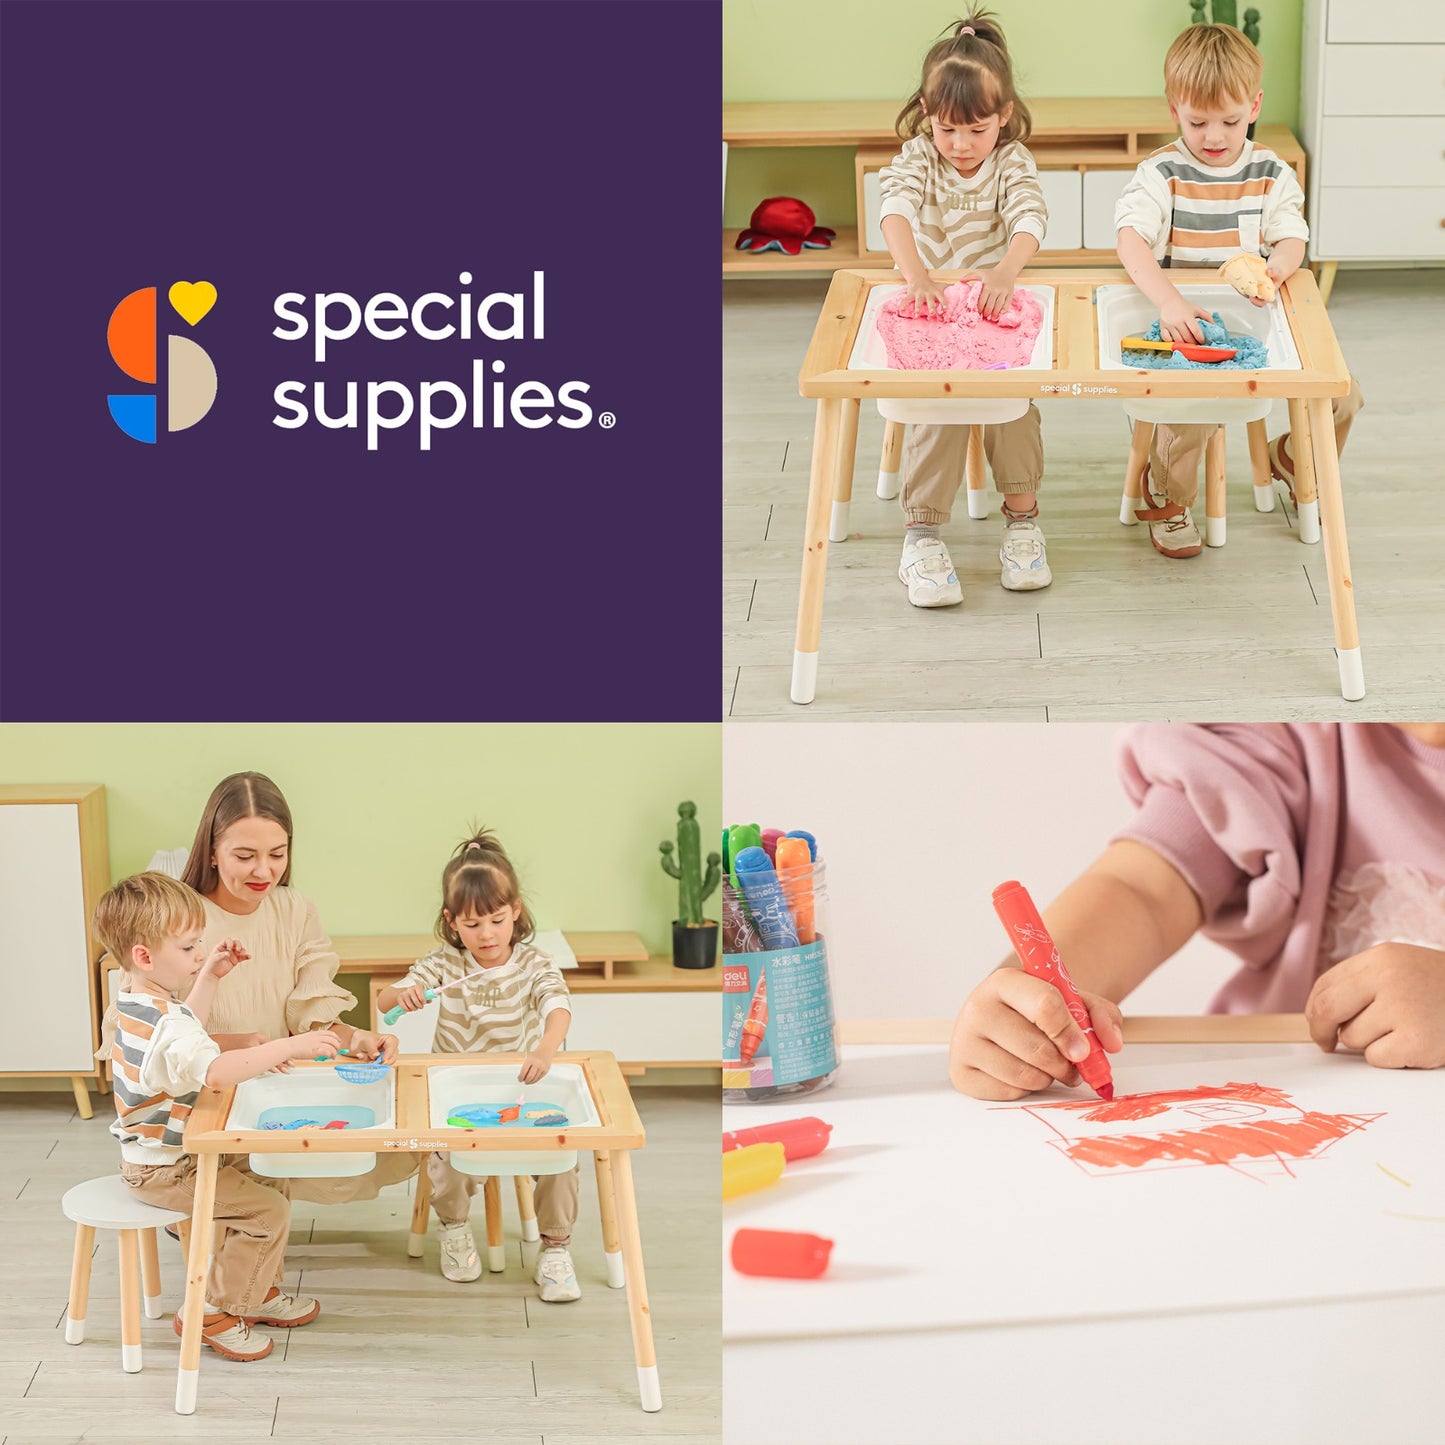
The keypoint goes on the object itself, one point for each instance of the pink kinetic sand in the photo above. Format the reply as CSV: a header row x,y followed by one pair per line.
x,y
960,339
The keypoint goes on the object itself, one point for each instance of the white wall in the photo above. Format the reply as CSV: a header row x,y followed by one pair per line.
x,y
918,822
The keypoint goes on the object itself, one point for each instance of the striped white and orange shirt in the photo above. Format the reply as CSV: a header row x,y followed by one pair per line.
x,y
1196,215
159,1062
960,222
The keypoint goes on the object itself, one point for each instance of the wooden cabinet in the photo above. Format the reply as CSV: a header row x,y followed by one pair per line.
x,y
54,865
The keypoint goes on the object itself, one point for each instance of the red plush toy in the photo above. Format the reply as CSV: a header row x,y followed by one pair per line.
x,y
782,223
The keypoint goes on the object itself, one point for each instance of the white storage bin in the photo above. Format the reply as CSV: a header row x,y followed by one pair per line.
x,y
1064,197
313,1089
1102,190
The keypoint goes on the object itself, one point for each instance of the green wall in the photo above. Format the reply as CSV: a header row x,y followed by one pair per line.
x,y
378,807
871,49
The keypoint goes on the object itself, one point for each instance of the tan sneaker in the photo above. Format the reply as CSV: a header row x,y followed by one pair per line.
x,y
285,1311
1281,464
1171,528
231,1338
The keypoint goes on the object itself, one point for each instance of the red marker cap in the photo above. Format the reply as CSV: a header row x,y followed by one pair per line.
x,y
780,1254
800,1138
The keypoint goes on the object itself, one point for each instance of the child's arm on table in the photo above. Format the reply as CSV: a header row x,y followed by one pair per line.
x,y
1129,911
536,1064
1177,317
237,1065
1387,1002
997,289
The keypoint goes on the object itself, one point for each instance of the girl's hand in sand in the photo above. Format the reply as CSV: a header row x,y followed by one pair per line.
x,y
1387,1002
996,290
1179,321
926,294
1015,1035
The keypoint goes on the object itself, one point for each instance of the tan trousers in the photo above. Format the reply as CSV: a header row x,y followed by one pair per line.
x,y
391,1168
556,1196
256,1216
934,456
1176,450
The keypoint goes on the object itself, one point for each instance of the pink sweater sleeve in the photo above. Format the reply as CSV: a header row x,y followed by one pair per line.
x,y
1232,806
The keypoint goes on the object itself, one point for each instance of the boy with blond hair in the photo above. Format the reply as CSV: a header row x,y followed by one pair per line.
x,y
152,925
1208,196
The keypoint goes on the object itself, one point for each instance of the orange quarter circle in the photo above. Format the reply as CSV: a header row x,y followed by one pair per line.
x,y
132,335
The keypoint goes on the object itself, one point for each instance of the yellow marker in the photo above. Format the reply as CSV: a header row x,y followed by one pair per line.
x,y
754,1167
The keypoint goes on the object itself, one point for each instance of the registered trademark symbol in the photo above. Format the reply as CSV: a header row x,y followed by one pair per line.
x,y
607,421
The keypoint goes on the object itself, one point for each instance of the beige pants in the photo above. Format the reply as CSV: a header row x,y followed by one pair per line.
x,y
1176,450
934,456
391,1168
256,1216
556,1196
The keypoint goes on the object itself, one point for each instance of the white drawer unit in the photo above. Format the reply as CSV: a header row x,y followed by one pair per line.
x,y
1102,190
1064,196
1372,118
649,1028
54,865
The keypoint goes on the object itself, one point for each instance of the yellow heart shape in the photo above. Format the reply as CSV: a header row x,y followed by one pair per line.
x,y
192,299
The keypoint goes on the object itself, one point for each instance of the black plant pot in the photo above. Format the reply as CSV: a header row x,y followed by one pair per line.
x,y
694,947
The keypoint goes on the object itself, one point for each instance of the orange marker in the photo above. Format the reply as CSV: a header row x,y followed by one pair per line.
x,y
792,853
800,1138
756,1023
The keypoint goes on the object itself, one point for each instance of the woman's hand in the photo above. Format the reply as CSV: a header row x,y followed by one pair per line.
x,y
224,957
996,290
1387,1002
535,1066
369,1047
1015,1035
1179,321
926,294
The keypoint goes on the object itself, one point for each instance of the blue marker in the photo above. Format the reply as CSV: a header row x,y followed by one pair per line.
x,y
754,876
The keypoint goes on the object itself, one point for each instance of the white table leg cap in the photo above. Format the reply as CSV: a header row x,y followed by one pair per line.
x,y
805,676
649,1387
1264,498
978,504
529,1231
154,1308
130,1359
74,1331
496,1258
616,1275
415,1245
1214,531
887,484
1126,510
186,1383
1352,673
838,522
1309,522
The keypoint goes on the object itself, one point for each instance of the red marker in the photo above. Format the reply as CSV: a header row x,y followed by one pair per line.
x,y
1033,945
780,1254
800,1138
756,1023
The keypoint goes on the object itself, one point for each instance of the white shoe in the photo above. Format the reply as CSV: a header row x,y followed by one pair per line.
x,y
1025,562
928,570
460,1260
556,1275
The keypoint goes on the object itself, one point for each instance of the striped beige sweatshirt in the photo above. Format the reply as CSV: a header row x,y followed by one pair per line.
x,y
1191,214
158,1065
503,1012
960,222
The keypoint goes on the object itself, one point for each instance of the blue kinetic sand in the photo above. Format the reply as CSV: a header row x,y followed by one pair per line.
x,y
1253,353
488,1116
293,1116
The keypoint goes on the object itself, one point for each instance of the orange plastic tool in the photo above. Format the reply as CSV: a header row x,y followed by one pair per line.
x,y
1189,351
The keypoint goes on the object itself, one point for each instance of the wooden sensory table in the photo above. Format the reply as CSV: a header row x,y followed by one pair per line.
x,y
208,1138
1075,374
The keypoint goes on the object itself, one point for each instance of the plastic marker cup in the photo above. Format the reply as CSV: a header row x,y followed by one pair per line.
x,y
755,1167
800,1138
780,1254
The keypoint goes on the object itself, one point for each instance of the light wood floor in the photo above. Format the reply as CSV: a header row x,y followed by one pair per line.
x,y
399,1355
1242,632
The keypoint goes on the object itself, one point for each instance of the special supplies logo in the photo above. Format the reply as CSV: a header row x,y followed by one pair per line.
x,y
191,374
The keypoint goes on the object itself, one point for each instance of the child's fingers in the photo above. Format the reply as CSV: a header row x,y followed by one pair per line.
x,y
1365,1028
1028,1043
1107,1020
1007,1068
1042,1005
1337,996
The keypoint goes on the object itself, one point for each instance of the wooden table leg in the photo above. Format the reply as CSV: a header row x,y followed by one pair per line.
x,y
821,475
1134,471
193,1311
79,1283
607,1208
421,1207
129,1301
527,1207
647,1381
1337,553
843,480
150,1273
1301,443
1214,500
82,1096
496,1248
975,475
891,461
1259,465
1326,278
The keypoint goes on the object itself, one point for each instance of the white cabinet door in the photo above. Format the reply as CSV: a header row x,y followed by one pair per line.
x,y
1385,22
1351,228
872,239
1102,190
1063,195
44,971
1382,151
649,1027
1384,80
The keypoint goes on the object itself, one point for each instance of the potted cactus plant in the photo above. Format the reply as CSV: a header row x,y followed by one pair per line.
x,y
694,938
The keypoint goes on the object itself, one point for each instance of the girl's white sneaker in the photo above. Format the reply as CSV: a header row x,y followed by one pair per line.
x,y
556,1276
460,1260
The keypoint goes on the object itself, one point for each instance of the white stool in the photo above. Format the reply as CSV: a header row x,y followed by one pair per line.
x,y
110,1203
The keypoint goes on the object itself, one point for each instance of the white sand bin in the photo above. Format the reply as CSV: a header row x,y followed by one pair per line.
x,y
959,339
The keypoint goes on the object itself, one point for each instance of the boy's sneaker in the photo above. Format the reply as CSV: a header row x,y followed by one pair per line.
x,y
1024,560
1171,528
230,1337
556,1275
1281,464
285,1311
928,571
460,1260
